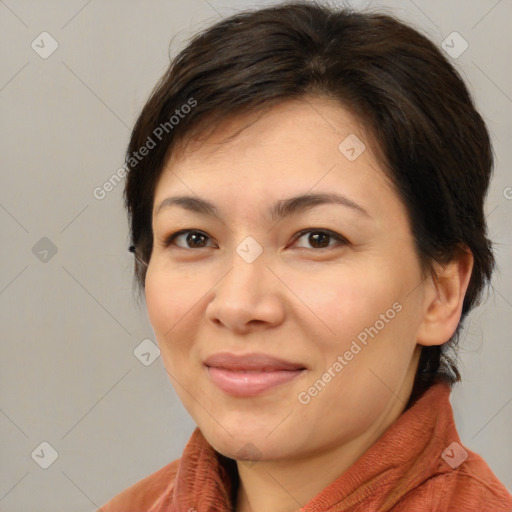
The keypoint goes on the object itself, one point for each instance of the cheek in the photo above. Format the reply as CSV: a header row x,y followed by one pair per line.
x,y
345,302
361,316
157,302
167,305
168,298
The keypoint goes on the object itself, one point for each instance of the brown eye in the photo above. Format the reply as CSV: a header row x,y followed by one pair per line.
x,y
193,239
319,239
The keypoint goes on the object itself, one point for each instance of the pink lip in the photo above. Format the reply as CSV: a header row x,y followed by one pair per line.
x,y
250,374
254,361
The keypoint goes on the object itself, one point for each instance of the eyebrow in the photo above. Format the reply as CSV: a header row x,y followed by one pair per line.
x,y
280,209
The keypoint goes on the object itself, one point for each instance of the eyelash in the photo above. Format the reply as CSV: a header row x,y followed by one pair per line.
x,y
342,240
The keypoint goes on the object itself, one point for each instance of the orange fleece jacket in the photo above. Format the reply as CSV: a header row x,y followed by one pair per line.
x,y
418,464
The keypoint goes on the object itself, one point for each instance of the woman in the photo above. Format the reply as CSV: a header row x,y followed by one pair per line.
x,y
305,192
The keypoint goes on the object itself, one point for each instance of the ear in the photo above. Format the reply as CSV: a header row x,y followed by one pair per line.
x,y
444,298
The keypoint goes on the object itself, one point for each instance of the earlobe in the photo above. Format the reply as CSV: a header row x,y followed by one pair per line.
x,y
444,300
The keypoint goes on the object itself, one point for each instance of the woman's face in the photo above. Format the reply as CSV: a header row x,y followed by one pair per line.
x,y
334,289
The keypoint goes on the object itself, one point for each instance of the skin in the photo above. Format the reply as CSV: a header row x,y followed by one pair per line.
x,y
297,301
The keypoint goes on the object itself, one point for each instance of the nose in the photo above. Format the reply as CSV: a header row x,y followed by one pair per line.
x,y
248,297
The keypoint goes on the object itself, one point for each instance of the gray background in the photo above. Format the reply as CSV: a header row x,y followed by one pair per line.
x,y
69,320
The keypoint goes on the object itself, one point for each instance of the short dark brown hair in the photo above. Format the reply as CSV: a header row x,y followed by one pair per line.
x,y
434,143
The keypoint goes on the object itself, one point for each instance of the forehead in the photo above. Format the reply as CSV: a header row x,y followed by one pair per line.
x,y
294,147
291,119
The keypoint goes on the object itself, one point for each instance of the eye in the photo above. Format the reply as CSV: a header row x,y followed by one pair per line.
x,y
319,238
195,238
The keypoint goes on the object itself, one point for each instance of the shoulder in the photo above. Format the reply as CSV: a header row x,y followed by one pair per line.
x,y
147,492
470,487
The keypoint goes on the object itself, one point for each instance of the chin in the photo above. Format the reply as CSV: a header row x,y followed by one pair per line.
x,y
245,444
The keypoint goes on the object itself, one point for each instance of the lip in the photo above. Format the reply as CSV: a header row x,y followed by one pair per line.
x,y
252,361
250,374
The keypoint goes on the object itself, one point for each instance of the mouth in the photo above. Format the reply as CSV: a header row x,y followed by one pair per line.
x,y
248,375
